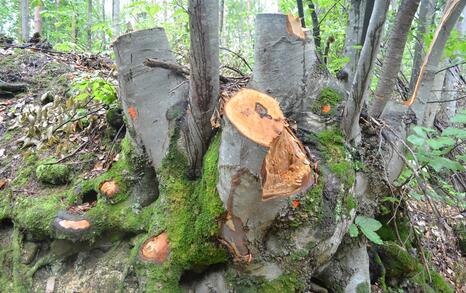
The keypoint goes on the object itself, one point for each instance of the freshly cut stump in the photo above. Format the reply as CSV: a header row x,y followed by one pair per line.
x,y
155,249
256,116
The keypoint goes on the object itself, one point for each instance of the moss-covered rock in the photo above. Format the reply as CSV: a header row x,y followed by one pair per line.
x,y
55,174
397,261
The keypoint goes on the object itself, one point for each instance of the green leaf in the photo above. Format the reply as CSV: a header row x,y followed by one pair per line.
x,y
459,118
422,131
368,223
440,142
372,236
416,140
455,132
368,226
353,230
439,163
391,199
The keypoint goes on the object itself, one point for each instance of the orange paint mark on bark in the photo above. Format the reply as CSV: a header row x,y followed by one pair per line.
x,y
133,113
326,108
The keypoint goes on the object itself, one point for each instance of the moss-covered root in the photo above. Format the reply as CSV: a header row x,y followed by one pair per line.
x,y
188,211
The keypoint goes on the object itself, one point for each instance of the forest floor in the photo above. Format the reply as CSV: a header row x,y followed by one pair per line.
x,y
49,121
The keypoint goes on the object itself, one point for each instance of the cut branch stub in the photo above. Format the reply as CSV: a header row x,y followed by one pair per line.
x,y
256,116
109,188
71,224
155,249
286,169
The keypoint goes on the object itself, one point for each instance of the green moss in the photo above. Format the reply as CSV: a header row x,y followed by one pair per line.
x,y
287,283
310,207
350,203
439,284
331,145
188,211
327,97
55,174
26,171
388,230
397,261
363,288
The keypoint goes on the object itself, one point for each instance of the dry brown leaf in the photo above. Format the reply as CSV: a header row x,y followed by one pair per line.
x,y
3,183
286,170
109,188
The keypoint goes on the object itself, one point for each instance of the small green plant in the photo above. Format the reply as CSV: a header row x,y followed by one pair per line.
x,y
367,226
95,87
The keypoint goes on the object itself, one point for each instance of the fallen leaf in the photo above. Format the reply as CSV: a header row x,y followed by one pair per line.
x,y
3,183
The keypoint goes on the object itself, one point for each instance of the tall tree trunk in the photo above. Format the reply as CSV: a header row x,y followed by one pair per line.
x,y
116,18
103,21
425,18
25,20
392,62
204,77
362,78
359,16
422,90
222,15
74,28
37,19
315,27
89,24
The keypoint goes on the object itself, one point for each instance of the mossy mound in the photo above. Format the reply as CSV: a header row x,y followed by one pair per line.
x,y
332,146
56,174
189,212
327,102
397,261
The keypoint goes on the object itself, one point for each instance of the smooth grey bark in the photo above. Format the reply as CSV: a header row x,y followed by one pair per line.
x,y
392,62
37,19
359,16
362,78
152,98
89,24
424,85
436,95
116,18
204,78
425,18
287,68
349,268
25,20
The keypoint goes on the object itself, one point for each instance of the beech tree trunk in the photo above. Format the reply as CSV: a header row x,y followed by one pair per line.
x,y
362,78
392,62
204,78
359,16
89,24
116,18
424,84
37,19
25,20
425,18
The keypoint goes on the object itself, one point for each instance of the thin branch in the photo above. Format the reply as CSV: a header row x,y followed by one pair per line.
x,y
237,55
446,101
451,66
328,11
